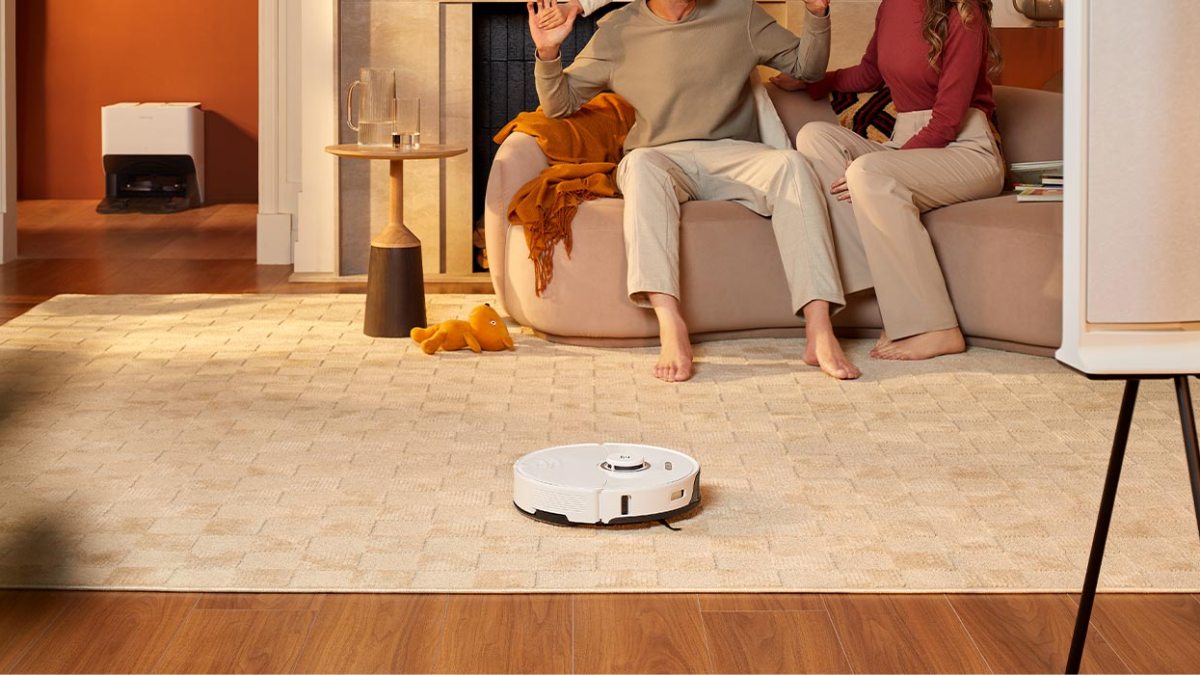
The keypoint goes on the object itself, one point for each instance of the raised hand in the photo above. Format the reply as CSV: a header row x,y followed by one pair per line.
x,y
557,14
787,82
551,18
548,40
818,7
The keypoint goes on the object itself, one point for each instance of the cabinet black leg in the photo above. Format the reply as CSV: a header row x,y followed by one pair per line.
x,y
1187,421
1107,498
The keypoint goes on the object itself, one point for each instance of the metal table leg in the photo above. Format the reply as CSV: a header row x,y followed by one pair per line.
x,y
1187,421
1107,498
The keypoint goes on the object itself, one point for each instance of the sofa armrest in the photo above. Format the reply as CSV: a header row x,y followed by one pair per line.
x,y
796,109
1031,124
518,161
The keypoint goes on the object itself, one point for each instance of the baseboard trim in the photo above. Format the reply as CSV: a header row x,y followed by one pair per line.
x,y
274,240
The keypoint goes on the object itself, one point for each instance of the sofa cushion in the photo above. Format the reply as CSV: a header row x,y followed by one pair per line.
x,y
871,115
1002,262
728,258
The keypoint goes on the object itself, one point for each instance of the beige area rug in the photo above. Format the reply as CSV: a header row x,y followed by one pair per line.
x,y
263,443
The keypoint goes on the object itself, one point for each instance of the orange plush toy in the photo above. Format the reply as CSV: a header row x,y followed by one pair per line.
x,y
483,330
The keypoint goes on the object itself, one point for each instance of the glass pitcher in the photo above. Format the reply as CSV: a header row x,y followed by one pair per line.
x,y
376,108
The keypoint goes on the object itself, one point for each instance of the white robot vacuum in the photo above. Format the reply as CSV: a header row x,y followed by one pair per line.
x,y
605,484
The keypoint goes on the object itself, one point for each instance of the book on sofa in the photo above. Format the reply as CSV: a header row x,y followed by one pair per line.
x,y
1027,173
1038,181
1039,194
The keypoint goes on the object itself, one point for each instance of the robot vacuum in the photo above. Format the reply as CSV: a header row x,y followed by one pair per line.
x,y
605,484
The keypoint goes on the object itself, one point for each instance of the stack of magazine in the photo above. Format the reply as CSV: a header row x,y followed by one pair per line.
x,y
1038,181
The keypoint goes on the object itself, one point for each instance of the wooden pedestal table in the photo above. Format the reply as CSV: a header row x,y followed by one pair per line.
x,y
395,280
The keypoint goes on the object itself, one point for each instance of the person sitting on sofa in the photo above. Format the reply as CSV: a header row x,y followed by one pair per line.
x,y
935,57
685,66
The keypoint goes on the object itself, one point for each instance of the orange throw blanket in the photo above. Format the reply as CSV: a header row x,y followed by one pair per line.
x,y
583,150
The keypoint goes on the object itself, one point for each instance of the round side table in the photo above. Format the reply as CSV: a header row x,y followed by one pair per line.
x,y
395,280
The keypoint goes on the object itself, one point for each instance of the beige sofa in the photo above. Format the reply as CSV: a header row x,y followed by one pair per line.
x,y
1002,260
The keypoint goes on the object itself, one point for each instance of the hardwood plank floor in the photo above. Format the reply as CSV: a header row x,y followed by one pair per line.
x,y
1042,623
295,602
640,634
375,634
507,634
774,642
1153,633
760,602
895,633
64,246
67,249
24,617
93,631
108,632
237,641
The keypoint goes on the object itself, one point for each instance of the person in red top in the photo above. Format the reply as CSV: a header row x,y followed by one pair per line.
x,y
935,56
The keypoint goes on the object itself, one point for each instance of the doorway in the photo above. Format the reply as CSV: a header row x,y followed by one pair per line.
x,y
75,56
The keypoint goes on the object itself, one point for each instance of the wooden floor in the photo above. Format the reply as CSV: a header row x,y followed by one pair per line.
x,y
66,248
186,632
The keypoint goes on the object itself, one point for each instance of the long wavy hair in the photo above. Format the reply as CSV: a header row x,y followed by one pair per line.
x,y
936,27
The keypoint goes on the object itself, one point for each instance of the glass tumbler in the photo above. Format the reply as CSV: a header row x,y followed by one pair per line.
x,y
407,113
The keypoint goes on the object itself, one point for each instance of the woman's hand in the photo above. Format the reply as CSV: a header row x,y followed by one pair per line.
x,y
818,7
557,14
787,82
548,40
840,190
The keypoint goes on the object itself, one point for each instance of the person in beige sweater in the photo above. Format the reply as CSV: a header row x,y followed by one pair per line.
x,y
685,66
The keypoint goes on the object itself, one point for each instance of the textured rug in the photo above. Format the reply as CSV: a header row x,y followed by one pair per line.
x,y
263,443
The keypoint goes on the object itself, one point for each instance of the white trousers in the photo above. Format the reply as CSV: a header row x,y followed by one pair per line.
x,y
880,238
776,183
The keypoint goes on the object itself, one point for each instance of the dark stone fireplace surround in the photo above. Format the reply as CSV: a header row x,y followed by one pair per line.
x,y
503,77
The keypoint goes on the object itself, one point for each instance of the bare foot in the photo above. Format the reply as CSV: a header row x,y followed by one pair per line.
x,y
882,342
675,362
924,346
823,350
675,358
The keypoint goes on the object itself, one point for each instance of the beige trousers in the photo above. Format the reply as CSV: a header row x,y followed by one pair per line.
x,y
776,183
880,239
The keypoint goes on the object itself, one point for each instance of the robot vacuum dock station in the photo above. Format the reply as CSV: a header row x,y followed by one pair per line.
x,y
605,484
153,155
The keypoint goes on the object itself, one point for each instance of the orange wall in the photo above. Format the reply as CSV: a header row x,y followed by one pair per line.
x,y
1032,56
74,56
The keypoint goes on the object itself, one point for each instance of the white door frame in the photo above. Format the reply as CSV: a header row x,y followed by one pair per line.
x,y
298,117
8,131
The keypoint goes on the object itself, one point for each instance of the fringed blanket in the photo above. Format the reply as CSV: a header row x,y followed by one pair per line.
x,y
583,151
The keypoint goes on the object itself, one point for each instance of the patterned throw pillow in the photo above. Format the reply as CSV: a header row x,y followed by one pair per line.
x,y
871,115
